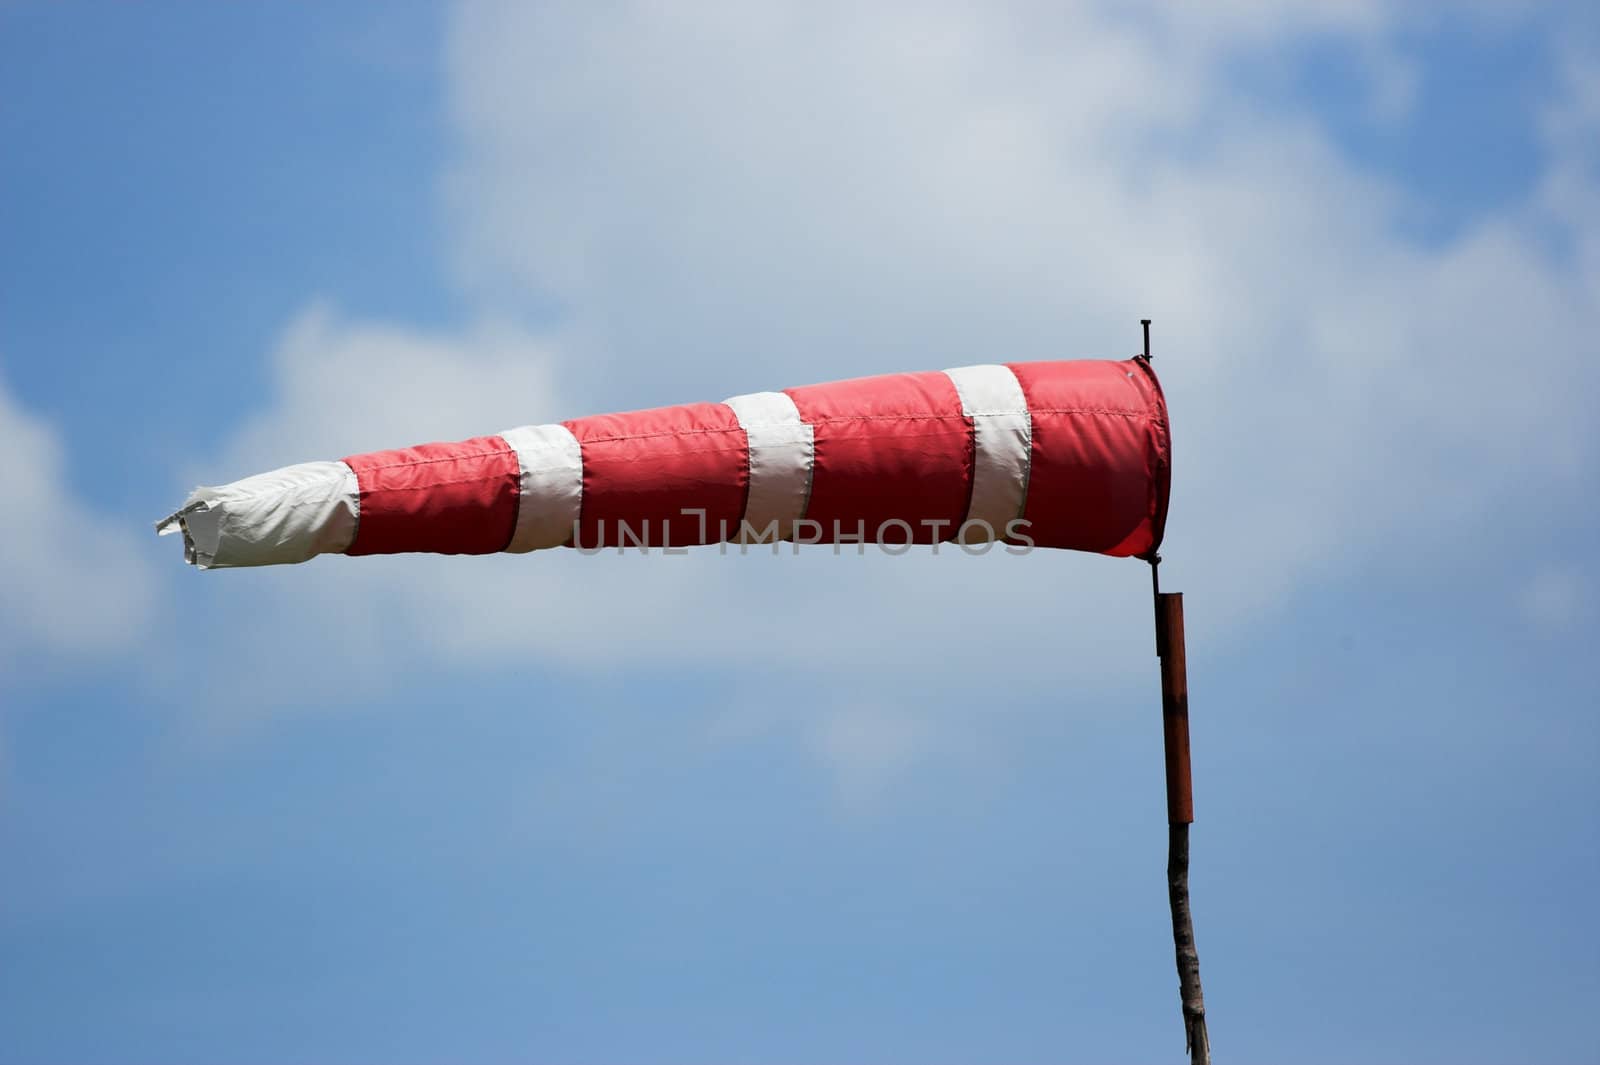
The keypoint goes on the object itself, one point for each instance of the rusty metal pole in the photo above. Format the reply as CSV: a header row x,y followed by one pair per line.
x,y
1180,815
1180,799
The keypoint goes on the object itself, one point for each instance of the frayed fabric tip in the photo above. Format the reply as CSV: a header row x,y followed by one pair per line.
x,y
177,522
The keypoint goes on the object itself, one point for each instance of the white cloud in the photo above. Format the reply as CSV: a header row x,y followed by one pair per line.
x,y
717,199
1569,194
344,387
74,583
721,201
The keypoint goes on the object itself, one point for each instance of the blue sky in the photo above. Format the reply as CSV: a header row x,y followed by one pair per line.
x,y
599,809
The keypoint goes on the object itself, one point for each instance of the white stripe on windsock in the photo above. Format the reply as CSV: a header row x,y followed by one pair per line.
x,y
550,499
1002,448
285,515
782,453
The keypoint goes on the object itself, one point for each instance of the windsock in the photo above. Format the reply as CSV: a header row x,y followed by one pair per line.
x,y
1070,455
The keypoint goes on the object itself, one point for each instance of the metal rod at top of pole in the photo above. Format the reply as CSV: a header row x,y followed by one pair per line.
x,y
1155,599
1146,323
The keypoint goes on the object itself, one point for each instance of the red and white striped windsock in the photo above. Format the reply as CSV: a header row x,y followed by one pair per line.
x,y
1050,454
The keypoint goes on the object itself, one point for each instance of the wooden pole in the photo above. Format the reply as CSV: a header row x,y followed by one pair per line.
x,y
1180,815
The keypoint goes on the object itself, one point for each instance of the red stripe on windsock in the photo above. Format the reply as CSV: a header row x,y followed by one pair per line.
x,y
454,499
894,448
643,470
1094,446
